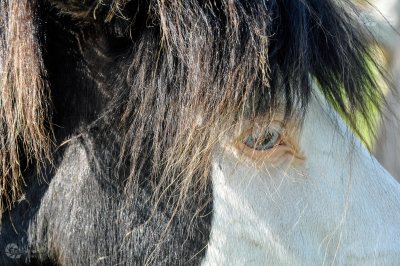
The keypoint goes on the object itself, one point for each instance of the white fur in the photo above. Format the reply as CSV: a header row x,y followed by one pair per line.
x,y
338,208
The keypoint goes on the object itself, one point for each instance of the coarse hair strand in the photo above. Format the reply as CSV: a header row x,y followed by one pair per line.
x,y
25,133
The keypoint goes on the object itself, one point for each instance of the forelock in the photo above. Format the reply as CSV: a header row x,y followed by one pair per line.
x,y
193,70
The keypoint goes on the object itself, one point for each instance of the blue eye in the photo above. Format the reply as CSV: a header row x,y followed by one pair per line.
x,y
265,141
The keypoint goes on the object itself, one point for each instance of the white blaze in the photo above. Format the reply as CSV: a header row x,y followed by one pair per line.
x,y
340,207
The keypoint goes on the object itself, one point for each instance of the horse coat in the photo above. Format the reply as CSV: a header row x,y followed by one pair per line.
x,y
190,132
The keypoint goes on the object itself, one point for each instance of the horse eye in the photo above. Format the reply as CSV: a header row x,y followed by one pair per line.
x,y
265,141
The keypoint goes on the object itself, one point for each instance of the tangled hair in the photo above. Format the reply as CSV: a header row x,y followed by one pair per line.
x,y
24,113
186,73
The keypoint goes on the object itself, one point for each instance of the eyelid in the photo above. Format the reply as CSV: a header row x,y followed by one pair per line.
x,y
276,153
285,147
278,126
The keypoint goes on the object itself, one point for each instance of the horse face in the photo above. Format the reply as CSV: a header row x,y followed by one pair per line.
x,y
127,81
334,204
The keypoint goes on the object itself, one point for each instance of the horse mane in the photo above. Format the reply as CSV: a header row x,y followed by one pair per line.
x,y
25,133
194,70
